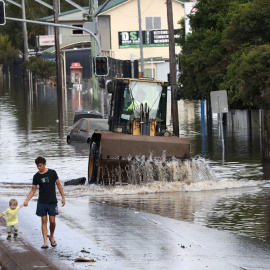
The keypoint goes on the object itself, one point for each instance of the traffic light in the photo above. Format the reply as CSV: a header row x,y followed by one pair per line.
x,y
2,13
101,66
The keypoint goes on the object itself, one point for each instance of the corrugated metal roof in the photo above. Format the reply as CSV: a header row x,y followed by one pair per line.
x,y
62,46
112,4
115,3
62,14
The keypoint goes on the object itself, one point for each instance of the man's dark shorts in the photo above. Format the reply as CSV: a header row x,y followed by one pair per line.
x,y
44,209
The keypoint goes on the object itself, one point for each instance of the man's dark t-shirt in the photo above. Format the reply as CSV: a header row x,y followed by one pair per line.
x,y
46,182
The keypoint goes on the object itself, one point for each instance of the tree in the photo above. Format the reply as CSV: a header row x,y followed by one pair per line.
x,y
247,41
43,69
7,52
204,59
225,36
34,11
248,78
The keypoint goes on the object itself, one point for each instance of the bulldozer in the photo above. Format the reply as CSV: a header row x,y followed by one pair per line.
x,y
137,128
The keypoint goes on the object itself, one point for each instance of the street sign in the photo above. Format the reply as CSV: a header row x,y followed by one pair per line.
x,y
219,101
32,51
79,87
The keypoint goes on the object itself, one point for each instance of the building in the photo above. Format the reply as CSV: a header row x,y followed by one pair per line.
x,y
69,38
118,32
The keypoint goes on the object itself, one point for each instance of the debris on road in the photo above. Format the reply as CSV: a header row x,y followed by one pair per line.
x,y
85,251
84,260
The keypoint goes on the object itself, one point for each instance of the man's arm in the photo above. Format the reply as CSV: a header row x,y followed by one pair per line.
x,y
30,195
60,188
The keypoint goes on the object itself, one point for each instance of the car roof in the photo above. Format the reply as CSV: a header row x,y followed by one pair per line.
x,y
96,120
92,120
86,114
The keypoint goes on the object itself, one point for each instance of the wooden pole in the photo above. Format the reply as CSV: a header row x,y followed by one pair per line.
x,y
58,69
94,53
140,35
174,107
25,36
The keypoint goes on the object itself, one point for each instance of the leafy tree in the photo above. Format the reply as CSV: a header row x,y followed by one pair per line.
x,y
7,52
228,49
247,41
34,11
249,26
40,68
248,79
204,59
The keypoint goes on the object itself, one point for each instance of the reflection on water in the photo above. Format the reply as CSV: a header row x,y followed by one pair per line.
x,y
227,190
238,210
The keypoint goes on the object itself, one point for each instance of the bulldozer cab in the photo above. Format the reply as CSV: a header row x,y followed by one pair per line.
x,y
138,106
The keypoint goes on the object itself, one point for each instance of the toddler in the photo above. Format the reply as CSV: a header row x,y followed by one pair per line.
x,y
12,217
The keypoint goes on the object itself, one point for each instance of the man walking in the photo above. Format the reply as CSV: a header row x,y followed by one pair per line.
x,y
46,179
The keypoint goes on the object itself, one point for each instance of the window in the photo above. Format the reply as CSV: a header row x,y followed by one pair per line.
x,y
152,23
77,127
102,21
149,72
84,126
77,31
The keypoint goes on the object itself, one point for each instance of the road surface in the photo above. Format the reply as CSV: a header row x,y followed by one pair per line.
x,y
120,238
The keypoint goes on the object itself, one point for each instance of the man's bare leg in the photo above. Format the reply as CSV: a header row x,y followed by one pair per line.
x,y
52,229
44,221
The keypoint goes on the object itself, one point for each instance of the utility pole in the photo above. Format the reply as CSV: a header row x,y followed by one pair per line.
x,y
174,107
94,53
140,36
58,69
25,37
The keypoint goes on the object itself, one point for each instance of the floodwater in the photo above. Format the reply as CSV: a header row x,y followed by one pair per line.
x,y
228,189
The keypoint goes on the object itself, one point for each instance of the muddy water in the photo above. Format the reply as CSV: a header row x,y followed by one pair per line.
x,y
226,188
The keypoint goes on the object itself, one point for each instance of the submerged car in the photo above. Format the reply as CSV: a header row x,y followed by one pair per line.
x,y
79,114
83,129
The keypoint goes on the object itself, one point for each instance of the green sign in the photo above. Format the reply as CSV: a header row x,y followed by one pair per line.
x,y
153,38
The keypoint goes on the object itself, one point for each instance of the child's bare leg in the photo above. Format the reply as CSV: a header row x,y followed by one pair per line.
x,y
15,230
9,229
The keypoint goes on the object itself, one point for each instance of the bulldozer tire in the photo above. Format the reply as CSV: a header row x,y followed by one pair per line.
x,y
93,165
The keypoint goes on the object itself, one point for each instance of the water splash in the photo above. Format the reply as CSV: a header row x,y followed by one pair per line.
x,y
201,171
142,170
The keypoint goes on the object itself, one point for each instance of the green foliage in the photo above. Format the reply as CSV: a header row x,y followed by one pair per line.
x,y
248,78
7,52
203,61
40,68
228,49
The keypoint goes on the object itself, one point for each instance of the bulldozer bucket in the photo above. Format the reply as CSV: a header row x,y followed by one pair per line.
x,y
123,146
117,149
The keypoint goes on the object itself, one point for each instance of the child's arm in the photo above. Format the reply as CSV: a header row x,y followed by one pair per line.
x,y
1,215
20,206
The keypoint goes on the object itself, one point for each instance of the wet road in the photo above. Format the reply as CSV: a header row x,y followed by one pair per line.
x,y
119,238
163,225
